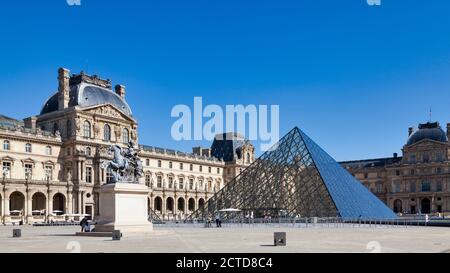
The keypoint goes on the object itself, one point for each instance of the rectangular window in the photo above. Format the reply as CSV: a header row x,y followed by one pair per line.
x,y
88,174
48,173
439,186
379,187
148,180
147,162
218,170
159,163
28,171
426,186
159,181
109,175
201,168
191,167
209,169
181,183
170,165
191,184
412,187
397,187
170,182
181,166
7,169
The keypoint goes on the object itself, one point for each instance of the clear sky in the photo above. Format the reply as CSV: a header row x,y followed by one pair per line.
x,y
352,76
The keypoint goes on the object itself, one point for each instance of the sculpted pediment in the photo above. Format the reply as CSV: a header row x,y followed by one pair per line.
x,y
108,110
427,144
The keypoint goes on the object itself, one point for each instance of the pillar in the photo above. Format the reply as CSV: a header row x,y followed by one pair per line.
x,y
69,206
7,206
46,206
79,203
29,206
50,204
2,208
82,203
163,206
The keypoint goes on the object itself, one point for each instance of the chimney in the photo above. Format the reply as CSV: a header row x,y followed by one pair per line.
x,y
410,131
63,88
120,90
448,131
30,123
395,155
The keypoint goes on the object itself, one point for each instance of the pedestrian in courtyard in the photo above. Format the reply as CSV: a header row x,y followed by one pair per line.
x,y
83,224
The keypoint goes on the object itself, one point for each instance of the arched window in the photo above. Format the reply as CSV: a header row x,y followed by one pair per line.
x,y
107,133
48,150
6,145
249,159
28,148
69,129
88,151
87,129
126,136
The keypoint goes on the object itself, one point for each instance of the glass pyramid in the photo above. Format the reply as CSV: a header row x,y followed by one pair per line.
x,y
297,178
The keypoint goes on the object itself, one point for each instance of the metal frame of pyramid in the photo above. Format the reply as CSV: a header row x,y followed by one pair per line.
x,y
296,178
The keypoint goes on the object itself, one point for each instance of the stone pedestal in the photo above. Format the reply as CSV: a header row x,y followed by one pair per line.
x,y
124,207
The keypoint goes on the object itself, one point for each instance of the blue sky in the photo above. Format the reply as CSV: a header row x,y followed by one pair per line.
x,y
352,76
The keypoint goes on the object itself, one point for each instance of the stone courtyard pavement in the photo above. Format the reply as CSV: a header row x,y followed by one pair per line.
x,y
232,239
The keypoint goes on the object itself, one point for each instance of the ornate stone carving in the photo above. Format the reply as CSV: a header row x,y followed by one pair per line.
x,y
96,129
133,135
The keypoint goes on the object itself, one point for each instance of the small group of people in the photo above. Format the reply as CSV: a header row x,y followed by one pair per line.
x,y
218,222
85,225
208,222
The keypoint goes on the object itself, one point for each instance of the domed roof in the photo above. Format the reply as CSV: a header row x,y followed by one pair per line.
x,y
431,131
87,95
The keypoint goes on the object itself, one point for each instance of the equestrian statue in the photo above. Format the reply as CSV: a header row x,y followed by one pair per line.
x,y
126,167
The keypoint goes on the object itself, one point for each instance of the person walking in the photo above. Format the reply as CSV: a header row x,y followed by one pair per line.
x,y
83,224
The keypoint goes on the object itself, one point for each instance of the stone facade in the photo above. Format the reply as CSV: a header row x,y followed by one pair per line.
x,y
51,162
417,182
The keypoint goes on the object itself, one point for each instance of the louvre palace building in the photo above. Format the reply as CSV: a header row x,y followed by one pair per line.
x,y
51,162
417,182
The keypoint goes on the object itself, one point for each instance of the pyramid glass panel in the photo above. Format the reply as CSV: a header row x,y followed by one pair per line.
x,y
296,178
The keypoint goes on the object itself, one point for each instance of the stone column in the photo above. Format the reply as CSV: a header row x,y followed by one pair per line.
x,y
79,176
163,206
69,203
2,209
82,203
186,205
6,211
46,207
82,172
79,202
29,207
50,204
